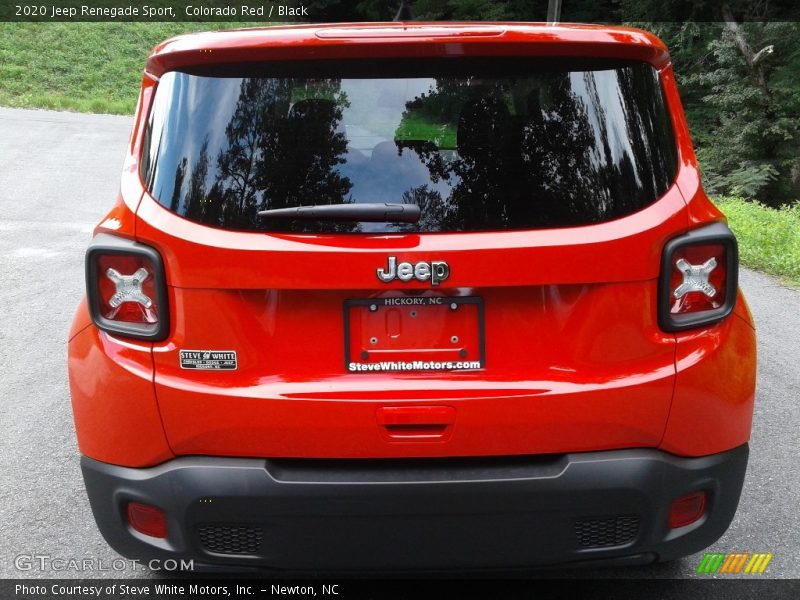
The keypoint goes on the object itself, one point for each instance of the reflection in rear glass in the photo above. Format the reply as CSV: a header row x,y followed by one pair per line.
x,y
479,147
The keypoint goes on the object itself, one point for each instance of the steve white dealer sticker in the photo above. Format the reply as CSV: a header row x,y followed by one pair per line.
x,y
208,360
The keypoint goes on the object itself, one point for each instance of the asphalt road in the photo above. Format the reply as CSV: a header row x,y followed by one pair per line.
x,y
59,175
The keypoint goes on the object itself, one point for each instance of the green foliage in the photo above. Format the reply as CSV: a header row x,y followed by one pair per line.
x,y
748,179
746,131
769,238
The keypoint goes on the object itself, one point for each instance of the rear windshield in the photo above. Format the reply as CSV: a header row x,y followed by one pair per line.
x,y
477,145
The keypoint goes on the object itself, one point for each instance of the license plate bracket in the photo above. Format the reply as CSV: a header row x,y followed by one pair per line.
x,y
414,333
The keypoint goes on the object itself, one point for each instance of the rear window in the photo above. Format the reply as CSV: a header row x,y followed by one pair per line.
x,y
477,144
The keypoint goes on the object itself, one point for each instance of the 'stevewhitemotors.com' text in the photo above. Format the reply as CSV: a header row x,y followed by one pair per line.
x,y
416,365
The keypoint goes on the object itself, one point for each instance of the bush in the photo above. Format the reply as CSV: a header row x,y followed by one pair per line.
x,y
769,238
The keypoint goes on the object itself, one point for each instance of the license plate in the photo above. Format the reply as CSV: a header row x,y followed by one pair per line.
x,y
414,333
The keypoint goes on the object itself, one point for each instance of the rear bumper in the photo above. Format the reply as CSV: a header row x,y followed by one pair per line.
x,y
338,515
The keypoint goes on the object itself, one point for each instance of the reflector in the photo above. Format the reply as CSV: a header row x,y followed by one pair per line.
x,y
147,519
687,509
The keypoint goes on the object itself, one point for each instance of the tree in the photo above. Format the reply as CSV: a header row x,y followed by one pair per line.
x,y
743,105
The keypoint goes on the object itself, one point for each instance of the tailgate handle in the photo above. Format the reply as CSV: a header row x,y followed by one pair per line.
x,y
416,422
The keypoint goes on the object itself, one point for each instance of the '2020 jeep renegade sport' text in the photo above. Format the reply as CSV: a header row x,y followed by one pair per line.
x,y
412,296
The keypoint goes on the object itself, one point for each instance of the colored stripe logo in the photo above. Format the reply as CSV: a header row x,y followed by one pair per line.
x,y
741,562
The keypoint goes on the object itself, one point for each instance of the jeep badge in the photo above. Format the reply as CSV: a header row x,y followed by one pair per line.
x,y
437,271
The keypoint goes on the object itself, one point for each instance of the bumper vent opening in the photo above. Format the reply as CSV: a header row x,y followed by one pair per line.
x,y
230,539
606,531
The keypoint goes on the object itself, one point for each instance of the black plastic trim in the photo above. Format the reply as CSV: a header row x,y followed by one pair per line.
x,y
105,244
456,513
716,233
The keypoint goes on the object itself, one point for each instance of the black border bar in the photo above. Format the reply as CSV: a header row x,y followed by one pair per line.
x,y
470,586
327,11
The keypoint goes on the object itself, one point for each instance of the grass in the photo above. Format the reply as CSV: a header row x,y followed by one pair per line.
x,y
83,67
769,238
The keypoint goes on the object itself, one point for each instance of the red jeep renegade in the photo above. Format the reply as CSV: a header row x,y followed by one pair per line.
x,y
412,296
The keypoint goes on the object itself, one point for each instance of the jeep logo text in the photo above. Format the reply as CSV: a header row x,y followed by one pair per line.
x,y
437,271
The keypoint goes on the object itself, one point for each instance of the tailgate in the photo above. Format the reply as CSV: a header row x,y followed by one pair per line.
x,y
536,342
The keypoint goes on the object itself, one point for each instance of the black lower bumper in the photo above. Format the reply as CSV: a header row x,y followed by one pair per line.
x,y
391,515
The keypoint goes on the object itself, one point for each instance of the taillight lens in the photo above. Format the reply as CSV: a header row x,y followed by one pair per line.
x,y
125,288
698,278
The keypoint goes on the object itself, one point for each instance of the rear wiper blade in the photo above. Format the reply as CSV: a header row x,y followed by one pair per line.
x,y
379,212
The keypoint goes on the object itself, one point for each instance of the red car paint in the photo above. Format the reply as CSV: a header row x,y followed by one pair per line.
x,y
575,358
